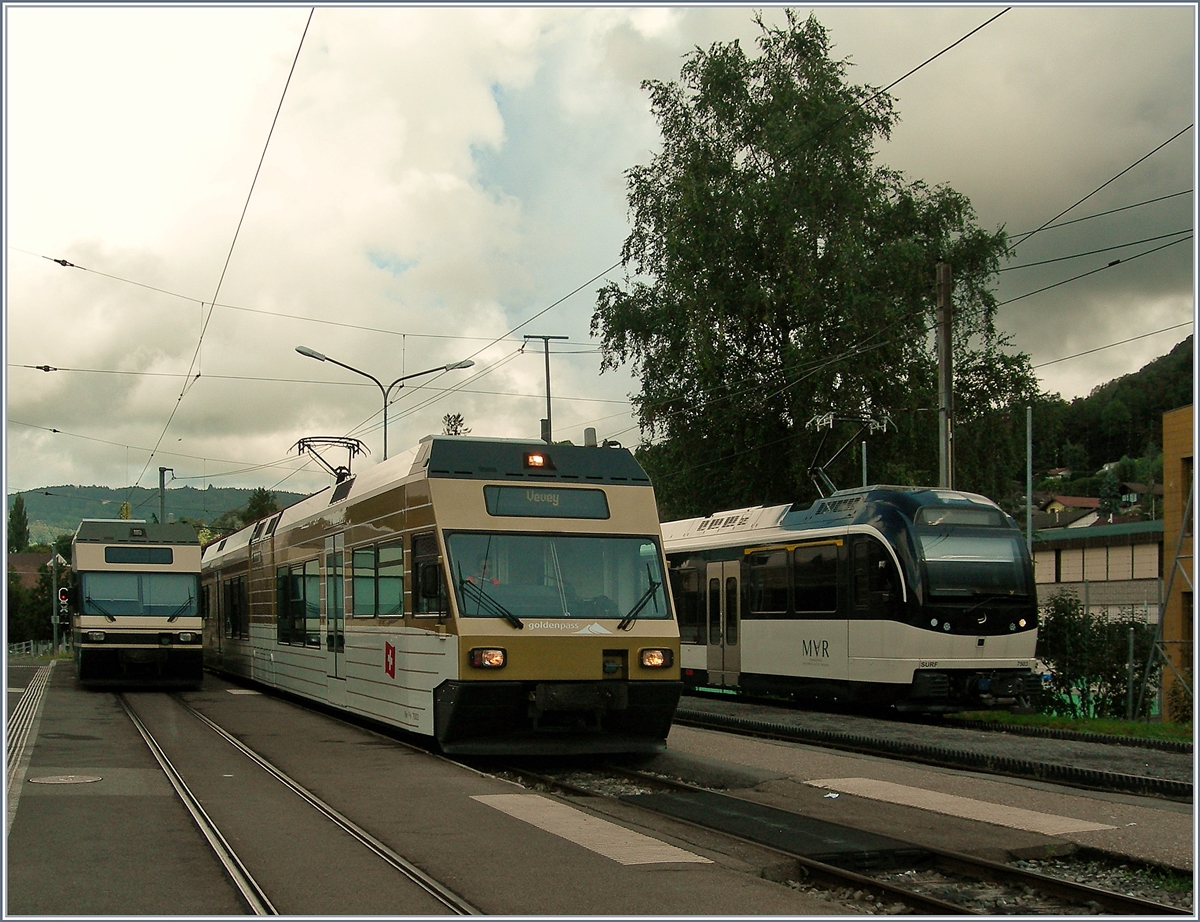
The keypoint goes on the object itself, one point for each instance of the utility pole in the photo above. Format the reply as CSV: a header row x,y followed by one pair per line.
x,y
945,378
1029,479
162,493
547,428
55,608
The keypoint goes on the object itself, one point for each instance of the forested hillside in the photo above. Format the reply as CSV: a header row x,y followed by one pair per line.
x,y
1124,416
53,511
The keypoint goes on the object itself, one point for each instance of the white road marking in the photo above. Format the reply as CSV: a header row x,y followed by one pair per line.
x,y
608,839
953,805
243,691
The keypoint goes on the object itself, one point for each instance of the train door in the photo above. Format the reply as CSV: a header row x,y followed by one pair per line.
x,y
335,620
724,622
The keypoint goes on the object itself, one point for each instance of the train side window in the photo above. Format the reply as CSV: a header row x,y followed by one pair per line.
x,y
429,583
237,609
816,579
312,603
768,582
731,611
389,585
714,611
298,604
283,606
243,597
689,601
363,564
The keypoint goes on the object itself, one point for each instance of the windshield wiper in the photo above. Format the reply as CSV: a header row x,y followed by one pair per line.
x,y
100,608
181,609
650,593
490,605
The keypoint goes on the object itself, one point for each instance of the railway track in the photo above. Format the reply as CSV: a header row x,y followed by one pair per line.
x,y
239,868
936,753
889,875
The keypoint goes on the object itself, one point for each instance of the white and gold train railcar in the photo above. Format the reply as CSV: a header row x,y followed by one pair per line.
x,y
499,596
912,597
136,617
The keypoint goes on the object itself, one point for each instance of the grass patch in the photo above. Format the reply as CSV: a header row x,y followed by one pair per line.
x,y
1106,726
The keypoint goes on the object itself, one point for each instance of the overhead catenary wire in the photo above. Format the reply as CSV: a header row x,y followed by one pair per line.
x,y
1101,214
1119,246
249,468
1083,275
1186,323
1101,186
229,256
273,380
282,314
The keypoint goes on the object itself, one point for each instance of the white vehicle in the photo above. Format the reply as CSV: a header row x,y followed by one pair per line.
x,y
912,597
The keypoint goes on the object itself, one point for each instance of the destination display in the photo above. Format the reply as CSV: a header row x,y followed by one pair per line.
x,y
546,502
118,554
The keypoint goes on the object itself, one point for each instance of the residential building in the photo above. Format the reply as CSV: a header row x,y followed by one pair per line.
x,y
1112,569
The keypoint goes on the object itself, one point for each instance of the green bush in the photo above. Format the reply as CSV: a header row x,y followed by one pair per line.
x,y
1088,655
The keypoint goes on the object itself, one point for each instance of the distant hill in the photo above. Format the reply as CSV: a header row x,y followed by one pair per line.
x,y
55,511
1124,415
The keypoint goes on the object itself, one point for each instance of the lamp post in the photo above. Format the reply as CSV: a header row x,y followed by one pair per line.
x,y
386,391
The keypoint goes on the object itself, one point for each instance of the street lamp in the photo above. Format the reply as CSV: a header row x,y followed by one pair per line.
x,y
386,391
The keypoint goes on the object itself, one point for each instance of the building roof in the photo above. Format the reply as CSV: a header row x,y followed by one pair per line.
x,y
1100,535
1078,502
26,566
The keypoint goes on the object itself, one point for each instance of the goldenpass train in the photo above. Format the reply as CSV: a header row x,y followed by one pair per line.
x,y
137,618
498,596
915,598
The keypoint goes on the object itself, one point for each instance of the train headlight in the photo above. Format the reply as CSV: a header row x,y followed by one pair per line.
x,y
656,657
186,637
488,658
1021,622
96,636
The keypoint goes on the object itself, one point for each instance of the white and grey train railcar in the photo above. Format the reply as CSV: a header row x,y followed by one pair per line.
x,y
912,597
499,596
137,588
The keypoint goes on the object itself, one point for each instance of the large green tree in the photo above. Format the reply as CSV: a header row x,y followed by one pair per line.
x,y
776,274
18,527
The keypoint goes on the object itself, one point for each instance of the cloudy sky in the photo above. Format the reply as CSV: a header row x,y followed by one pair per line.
x,y
438,177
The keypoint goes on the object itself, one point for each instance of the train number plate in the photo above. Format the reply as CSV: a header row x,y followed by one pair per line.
x,y
581,696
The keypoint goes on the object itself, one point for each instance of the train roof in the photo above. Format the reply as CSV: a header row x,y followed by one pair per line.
x,y
841,509
130,531
507,459
453,457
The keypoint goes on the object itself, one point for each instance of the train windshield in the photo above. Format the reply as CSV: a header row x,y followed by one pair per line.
x,y
973,565
557,576
170,595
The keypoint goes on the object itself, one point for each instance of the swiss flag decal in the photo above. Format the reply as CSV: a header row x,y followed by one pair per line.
x,y
389,660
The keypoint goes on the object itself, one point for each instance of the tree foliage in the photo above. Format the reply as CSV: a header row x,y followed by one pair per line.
x,y
775,272
454,424
260,504
18,527
1088,655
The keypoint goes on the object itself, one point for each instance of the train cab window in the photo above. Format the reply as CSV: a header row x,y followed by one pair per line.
x,y
816,567
877,590
689,602
429,582
767,582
